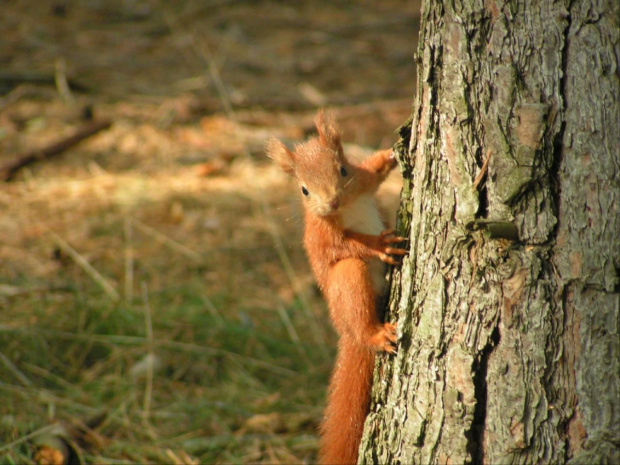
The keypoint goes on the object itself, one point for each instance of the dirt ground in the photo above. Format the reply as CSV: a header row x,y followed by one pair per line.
x,y
155,303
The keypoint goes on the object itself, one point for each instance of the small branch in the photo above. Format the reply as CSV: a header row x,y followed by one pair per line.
x,y
483,171
10,169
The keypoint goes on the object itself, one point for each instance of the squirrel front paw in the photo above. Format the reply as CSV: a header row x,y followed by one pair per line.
x,y
386,239
384,339
388,162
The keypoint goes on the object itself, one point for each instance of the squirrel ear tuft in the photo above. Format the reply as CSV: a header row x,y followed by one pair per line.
x,y
329,134
281,155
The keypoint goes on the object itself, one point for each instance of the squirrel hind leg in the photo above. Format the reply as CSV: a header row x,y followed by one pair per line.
x,y
352,305
352,302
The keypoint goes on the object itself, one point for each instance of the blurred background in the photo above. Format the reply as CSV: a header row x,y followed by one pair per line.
x,y
155,301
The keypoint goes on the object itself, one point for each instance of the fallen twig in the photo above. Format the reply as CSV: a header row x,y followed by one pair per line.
x,y
8,171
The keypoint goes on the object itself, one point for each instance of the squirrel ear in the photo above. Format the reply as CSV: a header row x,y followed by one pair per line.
x,y
282,156
329,134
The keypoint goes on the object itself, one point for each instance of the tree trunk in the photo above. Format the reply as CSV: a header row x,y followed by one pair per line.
x,y
508,304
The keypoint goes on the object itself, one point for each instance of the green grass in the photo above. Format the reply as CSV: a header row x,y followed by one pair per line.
x,y
72,356
102,270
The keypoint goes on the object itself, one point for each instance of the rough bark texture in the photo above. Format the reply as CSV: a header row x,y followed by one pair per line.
x,y
508,305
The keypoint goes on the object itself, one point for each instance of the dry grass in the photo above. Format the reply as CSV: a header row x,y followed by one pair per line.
x,y
154,313
155,302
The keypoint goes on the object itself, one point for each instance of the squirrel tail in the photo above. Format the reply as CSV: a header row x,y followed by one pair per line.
x,y
347,404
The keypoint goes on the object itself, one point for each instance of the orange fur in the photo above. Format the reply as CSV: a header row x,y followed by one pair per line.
x,y
347,404
344,240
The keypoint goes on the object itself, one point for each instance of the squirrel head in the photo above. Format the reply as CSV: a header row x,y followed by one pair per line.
x,y
324,175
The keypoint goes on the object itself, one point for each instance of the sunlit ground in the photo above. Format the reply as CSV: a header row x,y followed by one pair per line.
x,y
155,302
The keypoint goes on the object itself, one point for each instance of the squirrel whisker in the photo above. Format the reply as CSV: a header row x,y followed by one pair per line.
x,y
348,182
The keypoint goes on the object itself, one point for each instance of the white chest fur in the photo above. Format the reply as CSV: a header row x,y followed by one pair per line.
x,y
363,216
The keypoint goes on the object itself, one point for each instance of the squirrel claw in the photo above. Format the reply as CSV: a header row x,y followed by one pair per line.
x,y
384,340
387,251
395,251
390,232
391,332
395,239
391,349
389,260
384,257
387,232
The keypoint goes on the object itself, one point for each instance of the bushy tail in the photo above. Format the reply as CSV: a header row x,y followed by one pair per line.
x,y
347,404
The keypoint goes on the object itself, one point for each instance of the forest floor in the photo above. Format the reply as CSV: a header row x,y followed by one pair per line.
x,y
155,302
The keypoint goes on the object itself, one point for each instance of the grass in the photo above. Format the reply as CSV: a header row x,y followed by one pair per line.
x,y
149,317
148,313
79,355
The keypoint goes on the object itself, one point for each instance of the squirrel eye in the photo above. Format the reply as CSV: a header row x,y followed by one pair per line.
x,y
305,191
343,171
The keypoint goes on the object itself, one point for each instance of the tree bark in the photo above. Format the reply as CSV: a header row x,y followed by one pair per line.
x,y
508,304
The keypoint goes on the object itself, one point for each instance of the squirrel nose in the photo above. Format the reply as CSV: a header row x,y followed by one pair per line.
x,y
334,204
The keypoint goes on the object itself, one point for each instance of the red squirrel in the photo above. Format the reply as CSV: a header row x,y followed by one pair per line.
x,y
346,243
